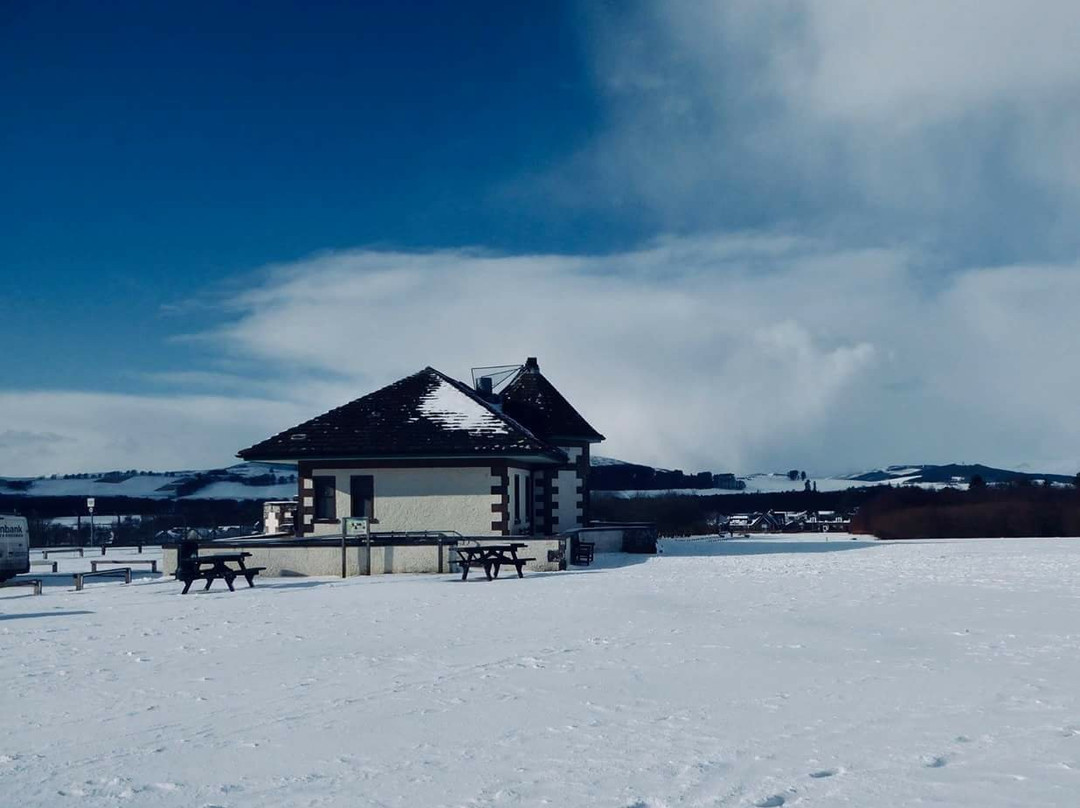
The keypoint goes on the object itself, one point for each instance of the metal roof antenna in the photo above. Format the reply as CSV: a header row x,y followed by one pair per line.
x,y
488,380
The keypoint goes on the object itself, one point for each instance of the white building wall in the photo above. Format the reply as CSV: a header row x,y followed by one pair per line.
x,y
291,559
451,498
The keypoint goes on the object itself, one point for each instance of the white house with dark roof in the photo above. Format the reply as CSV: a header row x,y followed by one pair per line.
x,y
430,453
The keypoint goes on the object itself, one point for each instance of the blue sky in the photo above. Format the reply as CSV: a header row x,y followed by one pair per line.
x,y
217,219
155,149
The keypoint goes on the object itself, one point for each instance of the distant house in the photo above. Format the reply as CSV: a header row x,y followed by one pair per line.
x,y
813,521
828,521
791,521
754,523
431,453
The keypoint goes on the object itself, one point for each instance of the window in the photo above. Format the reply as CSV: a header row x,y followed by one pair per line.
x,y
362,494
517,498
325,506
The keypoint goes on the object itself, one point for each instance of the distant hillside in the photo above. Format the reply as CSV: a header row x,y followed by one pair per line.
x,y
258,482
632,479
244,481
955,473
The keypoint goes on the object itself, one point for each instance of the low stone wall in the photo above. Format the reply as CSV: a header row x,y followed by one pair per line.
x,y
606,540
612,537
297,559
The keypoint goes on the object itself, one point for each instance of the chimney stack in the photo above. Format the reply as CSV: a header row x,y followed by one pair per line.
x,y
532,364
483,385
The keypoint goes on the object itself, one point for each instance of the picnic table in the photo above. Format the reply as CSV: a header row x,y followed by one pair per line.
x,y
212,567
491,557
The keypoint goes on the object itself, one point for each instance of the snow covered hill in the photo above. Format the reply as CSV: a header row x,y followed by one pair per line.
x,y
923,476
244,481
259,481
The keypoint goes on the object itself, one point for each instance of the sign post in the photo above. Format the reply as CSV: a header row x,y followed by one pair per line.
x,y
355,526
90,507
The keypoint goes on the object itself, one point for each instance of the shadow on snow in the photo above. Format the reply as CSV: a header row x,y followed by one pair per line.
x,y
29,615
741,547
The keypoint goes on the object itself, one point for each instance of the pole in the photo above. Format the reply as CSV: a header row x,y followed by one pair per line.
x,y
90,507
344,530
367,541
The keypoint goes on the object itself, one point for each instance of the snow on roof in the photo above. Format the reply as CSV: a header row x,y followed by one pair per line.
x,y
448,407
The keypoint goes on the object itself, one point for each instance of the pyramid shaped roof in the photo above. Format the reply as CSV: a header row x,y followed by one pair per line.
x,y
531,400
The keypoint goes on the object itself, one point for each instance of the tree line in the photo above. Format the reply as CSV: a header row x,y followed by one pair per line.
x,y
1017,510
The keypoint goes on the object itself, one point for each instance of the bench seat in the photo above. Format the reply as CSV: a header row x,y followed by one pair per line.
x,y
496,563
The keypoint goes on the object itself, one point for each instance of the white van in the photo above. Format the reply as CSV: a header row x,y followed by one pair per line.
x,y
14,546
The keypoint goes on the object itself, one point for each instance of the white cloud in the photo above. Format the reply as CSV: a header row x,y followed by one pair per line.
x,y
748,352
741,352
50,432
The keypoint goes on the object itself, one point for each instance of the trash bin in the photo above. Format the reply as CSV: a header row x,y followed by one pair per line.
x,y
187,556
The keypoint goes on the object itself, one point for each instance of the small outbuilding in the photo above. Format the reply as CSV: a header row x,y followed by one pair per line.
x,y
430,453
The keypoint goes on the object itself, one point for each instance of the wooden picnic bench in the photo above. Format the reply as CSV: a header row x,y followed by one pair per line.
x,y
151,561
491,557
13,582
81,576
212,567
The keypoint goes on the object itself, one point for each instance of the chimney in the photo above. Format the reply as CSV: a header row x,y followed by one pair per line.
x,y
532,364
483,386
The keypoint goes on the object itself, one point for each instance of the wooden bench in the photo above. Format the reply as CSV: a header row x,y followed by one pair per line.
x,y
80,576
151,561
136,547
583,553
45,551
43,563
34,582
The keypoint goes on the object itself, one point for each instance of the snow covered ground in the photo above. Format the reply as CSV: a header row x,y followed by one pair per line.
x,y
766,671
